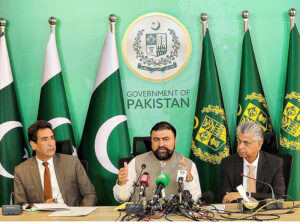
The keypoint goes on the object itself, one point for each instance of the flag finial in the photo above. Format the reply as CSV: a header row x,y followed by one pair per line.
x,y
292,13
245,15
204,18
2,26
112,18
2,22
52,20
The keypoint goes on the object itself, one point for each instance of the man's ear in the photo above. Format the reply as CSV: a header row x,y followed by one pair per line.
x,y
33,144
260,143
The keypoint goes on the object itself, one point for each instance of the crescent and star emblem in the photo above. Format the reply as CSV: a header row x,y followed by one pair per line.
x,y
157,26
56,122
101,142
4,129
240,110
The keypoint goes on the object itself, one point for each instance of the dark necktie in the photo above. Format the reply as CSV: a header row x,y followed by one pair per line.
x,y
47,182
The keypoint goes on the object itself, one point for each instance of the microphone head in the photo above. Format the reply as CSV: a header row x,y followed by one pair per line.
x,y
163,179
207,197
143,166
145,178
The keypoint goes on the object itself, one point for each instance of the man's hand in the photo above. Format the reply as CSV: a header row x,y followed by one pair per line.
x,y
229,197
189,176
123,175
51,201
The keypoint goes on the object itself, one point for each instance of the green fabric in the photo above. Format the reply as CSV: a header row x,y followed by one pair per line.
x,y
290,124
106,102
252,102
53,104
210,135
12,144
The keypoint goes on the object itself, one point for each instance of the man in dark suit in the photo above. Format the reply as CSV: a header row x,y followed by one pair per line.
x,y
252,162
50,177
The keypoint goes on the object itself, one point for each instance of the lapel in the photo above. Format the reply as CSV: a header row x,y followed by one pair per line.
x,y
59,172
36,178
260,173
239,169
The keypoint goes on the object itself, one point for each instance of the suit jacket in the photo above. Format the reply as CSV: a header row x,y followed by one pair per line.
x,y
269,170
73,182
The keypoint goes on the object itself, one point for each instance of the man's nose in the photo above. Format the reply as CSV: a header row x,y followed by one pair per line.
x,y
161,142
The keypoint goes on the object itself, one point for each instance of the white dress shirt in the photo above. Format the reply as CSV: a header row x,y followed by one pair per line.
x,y
246,171
123,193
56,194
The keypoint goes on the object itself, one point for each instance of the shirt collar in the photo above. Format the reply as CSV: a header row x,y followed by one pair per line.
x,y
40,162
255,162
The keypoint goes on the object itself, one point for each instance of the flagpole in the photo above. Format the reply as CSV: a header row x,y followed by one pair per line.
x,y
245,15
292,13
204,18
112,18
2,26
52,22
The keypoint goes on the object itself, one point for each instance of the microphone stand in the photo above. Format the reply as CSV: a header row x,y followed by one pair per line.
x,y
275,205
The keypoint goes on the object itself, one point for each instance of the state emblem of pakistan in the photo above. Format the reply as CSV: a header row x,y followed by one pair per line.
x,y
156,47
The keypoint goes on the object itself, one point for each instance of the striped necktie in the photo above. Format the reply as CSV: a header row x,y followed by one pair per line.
x,y
251,184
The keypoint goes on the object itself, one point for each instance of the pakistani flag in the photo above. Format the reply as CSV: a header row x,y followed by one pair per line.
x,y
290,124
105,136
210,142
11,131
53,105
252,102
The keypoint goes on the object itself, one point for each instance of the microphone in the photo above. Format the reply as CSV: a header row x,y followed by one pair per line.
x,y
187,197
162,181
135,184
273,196
144,182
181,175
206,198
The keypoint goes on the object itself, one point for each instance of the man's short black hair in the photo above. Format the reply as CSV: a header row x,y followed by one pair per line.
x,y
162,126
33,129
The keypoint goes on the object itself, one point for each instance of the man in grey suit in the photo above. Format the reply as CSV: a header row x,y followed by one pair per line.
x,y
50,177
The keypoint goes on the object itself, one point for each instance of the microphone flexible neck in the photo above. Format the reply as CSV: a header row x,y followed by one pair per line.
x,y
273,196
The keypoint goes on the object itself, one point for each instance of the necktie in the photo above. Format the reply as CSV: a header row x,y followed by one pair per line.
x,y
251,184
47,182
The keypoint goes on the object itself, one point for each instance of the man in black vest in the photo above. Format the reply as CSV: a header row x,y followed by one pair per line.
x,y
162,159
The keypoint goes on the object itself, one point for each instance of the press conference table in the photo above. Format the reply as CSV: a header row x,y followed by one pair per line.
x,y
107,213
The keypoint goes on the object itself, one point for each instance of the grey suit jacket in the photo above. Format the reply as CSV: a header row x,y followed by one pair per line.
x,y
73,182
269,170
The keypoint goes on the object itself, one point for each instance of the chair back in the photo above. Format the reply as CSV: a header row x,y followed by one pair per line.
x,y
64,147
270,144
140,145
286,168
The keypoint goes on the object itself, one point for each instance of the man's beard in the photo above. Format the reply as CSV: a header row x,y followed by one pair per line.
x,y
163,156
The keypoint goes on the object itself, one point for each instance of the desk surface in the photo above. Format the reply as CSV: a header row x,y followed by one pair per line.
x,y
109,214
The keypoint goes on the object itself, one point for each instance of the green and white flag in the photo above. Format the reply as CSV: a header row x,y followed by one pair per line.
x,y
290,123
53,105
105,137
210,142
252,102
11,130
